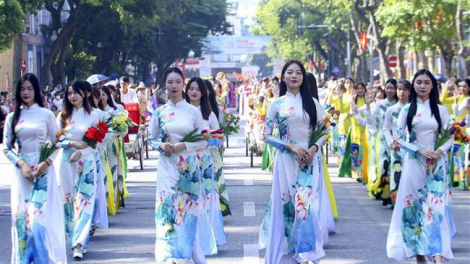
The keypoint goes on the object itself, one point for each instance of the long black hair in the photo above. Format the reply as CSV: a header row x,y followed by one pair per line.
x,y
205,105
67,107
312,83
19,102
308,105
107,91
212,100
433,100
95,93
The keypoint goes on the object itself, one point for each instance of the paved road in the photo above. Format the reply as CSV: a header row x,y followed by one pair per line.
x,y
361,228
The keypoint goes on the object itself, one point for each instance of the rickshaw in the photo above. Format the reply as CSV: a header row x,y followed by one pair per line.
x,y
135,142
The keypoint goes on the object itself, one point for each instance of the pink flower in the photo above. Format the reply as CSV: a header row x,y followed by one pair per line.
x,y
301,214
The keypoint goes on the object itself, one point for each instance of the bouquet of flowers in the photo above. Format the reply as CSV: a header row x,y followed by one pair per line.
x,y
456,130
95,134
230,126
119,122
47,150
321,129
214,138
193,136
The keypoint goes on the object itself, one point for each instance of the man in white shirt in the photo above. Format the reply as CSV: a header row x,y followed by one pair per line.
x,y
127,95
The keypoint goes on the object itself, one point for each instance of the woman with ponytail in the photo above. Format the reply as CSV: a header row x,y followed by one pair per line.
x,y
421,222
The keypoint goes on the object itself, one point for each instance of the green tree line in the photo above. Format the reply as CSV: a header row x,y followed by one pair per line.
x,y
392,26
105,36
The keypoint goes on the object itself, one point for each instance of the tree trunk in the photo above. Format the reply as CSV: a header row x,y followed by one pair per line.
x,y
464,50
401,71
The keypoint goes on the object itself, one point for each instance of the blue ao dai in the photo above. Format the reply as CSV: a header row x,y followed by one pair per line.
x,y
214,235
291,229
178,184
36,207
420,223
78,179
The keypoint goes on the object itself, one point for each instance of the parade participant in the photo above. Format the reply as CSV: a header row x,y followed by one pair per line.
x,y
420,226
36,206
127,95
389,132
378,183
447,94
244,92
459,108
290,230
344,128
217,155
359,144
152,103
115,179
268,153
100,216
363,117
197,95
178,187
78,172
213,102
327,198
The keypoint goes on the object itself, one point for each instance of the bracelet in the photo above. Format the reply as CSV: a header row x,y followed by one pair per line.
x,y
316,146
48,162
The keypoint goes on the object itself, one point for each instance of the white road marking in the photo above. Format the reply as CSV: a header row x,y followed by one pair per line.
x,y
249,209
251,254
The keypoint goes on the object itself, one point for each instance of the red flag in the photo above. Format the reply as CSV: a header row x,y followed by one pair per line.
x,y
364,41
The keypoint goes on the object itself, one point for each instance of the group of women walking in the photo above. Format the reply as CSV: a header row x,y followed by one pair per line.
x,y
76,186
386,139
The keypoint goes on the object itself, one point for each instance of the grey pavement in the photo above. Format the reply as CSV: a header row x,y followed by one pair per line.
x,y
361,228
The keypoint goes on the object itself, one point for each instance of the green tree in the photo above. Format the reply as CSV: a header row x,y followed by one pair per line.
x,y
133,37
422,25
327,34
11,22
63,31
